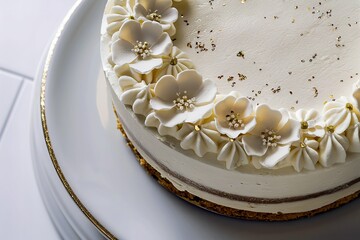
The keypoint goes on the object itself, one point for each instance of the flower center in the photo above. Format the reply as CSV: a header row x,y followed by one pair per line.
x,y
183,102
270,138
173,61
197,128
234,121
154,16
142,49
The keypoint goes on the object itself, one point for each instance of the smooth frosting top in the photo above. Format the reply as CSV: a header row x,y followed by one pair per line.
x,y
288,54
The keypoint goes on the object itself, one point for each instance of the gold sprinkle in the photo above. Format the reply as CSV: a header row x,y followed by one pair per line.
x,y
349,106
242,77
303,145
241,54
173,61
304,125
197,128
316,92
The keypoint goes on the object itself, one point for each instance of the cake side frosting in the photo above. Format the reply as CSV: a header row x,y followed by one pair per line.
x,y
159,81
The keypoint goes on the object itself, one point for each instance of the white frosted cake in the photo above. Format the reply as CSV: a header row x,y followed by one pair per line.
x,y
248,108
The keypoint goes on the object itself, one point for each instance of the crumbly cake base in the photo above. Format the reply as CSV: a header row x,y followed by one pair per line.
x,y
223,210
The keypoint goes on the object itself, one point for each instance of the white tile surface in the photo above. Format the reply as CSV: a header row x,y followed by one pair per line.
x,y
26,27
9,89
22,214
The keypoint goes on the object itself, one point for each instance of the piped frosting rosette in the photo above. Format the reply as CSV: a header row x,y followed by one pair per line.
x,y
160,82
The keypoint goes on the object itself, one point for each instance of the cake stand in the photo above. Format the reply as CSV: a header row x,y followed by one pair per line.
x,y
90,181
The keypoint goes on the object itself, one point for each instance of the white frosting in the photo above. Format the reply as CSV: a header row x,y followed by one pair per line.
x,y
333,148
341,114
202,138
304,155
276,46
353,135
233,154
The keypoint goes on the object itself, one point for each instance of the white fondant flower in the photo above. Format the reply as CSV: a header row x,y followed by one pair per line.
x,y
304,154
269,142
175,63
201,138
311,126
136,94
234,115
119,14
159,11
186,98
341,114
233,154
333,147
141,46
152,121
353,135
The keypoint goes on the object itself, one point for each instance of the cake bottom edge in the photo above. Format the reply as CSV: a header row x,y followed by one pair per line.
x,y
224,210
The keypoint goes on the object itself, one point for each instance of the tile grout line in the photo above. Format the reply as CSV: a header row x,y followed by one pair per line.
x,y
16,99
23,76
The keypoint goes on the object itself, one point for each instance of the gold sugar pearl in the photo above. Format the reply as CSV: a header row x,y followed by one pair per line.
x,y
304,125
330,129
197,128
350,107
174,61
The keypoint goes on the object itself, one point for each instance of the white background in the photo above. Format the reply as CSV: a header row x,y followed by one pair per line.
x,y
26,28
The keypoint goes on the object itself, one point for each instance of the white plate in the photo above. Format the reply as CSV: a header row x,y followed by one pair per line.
x,y
103,175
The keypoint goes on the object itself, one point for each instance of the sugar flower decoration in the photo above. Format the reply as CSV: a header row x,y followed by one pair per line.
x,y
135,94
234,115
333,147
341,114
158,11
175,63
269,142
310,121
304,154
201,138
186,98
141,46
119,14
232,153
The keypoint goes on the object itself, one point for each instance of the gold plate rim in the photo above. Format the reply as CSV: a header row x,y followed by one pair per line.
x,y
45,129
